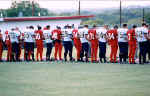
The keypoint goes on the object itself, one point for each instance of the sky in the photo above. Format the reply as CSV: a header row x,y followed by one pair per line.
x,y
64,5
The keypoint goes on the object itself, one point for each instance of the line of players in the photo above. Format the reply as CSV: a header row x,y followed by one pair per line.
x,y
83,39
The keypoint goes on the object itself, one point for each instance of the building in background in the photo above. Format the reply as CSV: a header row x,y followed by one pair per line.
x,y
22,22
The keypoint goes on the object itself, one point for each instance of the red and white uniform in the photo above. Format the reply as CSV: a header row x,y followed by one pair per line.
x,y
1,45
8,44
39,44
56,35
77,42
132,44
112,37
92,35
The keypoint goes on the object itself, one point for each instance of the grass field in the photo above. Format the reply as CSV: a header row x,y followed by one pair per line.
x,y
73,79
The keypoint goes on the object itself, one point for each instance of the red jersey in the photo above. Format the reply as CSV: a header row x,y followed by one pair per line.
x,y
75,35
7,39
56,34
112,36
39,36
92,35
131,35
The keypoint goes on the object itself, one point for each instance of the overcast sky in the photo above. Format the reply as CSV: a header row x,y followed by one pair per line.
x,y
85,4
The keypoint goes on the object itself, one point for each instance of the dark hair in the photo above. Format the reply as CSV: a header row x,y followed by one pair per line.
x,y
94,26
86,26
115,27
134,26
31,27
39,27
143,24
47,26
124,25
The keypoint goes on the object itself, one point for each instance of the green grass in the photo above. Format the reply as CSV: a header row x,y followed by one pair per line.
x,y
73,79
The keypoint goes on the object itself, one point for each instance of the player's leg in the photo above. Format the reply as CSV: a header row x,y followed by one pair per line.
x,y
95,52
32,51
82,52
41,51
37,52
9,52
104,54
66,49
70,50
92,52
130,53
1,50
133,54
86,48
125,51
121,52
140,52
115,53
48,52
26,51
17,51
144,52
60,50
56,50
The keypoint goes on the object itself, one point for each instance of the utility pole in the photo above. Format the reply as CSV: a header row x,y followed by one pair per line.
x,y
79,8
32,8
120,12
143,15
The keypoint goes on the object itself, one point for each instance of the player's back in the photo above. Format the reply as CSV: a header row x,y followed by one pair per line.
x,y
122,34
39,36
28,35
47,35
102,34
112,35
13,36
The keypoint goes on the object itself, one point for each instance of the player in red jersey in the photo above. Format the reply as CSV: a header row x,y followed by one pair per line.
x,y
1,46
9,47
39,43
132,44
112,38
148,43
56,36
94,43
77,43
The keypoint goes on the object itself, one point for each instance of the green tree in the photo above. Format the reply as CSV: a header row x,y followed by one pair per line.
x,y
25,7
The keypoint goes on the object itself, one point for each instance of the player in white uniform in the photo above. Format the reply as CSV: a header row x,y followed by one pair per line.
x,y
142,38
14,38
47,32
102,42
123,43
84,41
29,43
67,42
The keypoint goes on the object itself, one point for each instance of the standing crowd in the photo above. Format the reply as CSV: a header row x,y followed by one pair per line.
x,y
127,41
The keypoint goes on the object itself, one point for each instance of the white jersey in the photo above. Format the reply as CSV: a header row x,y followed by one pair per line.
x,y
13,36
140,32
67,34
102,34
47,35
122,35
28,35
82,33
